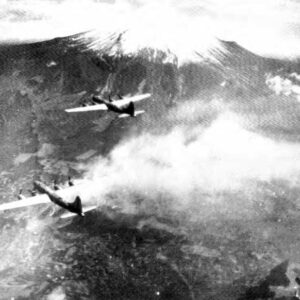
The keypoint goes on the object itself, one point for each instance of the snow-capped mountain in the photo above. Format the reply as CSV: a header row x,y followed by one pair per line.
x,y
44,78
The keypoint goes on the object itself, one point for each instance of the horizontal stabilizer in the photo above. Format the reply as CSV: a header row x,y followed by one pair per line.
x,y
70,214
131,99
39,199
139,112
87,108
122,116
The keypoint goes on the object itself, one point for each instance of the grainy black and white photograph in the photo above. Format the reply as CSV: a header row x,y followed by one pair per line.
x,y
149,150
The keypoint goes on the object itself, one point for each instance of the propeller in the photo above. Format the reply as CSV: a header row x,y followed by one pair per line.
x,y
70,181
33,192
20,195
55,185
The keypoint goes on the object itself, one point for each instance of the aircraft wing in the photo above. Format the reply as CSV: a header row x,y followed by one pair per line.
x,y
68,193
131,99
87,108
43,198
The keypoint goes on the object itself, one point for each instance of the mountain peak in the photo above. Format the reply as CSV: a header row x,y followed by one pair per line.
x,y
128,43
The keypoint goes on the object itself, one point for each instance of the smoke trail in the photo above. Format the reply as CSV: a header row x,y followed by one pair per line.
x,y
195,164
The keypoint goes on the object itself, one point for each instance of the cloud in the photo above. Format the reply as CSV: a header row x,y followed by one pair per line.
x,y
265,27
285,86
57,294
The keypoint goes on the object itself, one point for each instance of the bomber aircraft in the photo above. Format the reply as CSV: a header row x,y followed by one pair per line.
x,y
67,198
123,106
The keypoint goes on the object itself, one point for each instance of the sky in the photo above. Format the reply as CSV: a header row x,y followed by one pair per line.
x,y
266,27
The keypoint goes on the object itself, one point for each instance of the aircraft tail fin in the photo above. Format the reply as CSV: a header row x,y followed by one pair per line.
x,y
77,206
130,109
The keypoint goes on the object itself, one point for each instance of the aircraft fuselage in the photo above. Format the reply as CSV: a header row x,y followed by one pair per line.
x,y
55,198
127,108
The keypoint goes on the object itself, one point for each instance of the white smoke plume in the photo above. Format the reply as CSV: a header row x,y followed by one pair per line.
x,y
195,164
